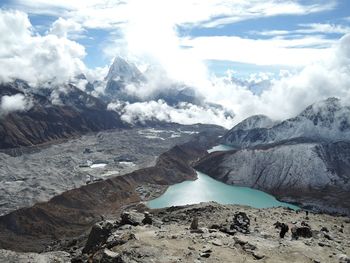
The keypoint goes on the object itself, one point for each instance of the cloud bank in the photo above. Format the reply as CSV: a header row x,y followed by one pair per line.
x,y
184,113
291,93
35,58
285,97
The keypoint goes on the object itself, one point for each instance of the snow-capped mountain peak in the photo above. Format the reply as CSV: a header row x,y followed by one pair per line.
x,y
254,122
326,120
123,70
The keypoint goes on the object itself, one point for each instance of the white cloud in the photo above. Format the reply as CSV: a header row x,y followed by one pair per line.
x,y
184,113
149,31
35,58
66,27
109,13
293,92
321,28
244,10
290,52
98,73
17,102
284,98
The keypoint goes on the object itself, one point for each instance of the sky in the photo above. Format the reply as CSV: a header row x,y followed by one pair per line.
x,y
235,34
300,46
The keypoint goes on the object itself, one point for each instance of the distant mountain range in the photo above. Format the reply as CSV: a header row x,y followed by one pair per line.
x,y
305,159
323,121
62,111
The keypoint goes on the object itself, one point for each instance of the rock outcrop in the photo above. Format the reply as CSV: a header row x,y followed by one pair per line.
x,y
170,239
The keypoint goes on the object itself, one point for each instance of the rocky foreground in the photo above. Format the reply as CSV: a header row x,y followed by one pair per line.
x,y
206,232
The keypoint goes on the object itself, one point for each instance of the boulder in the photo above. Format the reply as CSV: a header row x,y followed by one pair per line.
x,y
301,231
343,258
194,224
241,223
107,256
283,228
98,236
324,229
148,219
130,218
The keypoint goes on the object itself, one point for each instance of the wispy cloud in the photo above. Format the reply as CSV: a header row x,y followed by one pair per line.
x,y
323,28
109,14
244,10
312,28
291,52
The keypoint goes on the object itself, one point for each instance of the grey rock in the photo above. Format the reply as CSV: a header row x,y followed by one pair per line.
x,y
204,255
148,219
194,224
217,242
130,218
107,256
301,231
343,258
258,255
98,236
241,223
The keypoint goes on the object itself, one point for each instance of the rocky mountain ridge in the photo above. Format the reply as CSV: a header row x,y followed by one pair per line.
x,y
326,120
53,116
305,159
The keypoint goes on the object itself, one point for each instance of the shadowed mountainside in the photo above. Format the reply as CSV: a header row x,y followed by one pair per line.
x,y
75,114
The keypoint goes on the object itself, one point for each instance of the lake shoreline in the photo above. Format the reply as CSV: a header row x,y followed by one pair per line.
x,y
206,189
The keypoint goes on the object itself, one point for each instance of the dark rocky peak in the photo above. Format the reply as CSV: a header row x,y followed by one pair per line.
x,y
70,95
120,74
122,70
9,89
14,87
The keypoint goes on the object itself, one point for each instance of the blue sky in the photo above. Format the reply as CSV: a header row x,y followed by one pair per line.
x,y
206,28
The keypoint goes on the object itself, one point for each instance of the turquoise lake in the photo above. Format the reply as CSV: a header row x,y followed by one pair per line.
x,y
206,189
220,147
